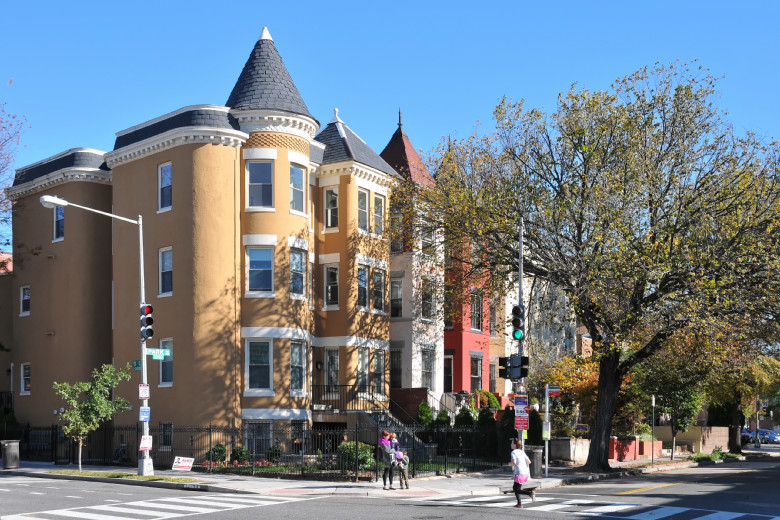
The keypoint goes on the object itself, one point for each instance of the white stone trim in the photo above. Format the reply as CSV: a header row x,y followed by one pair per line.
x,y
298,243
331,258
70,174
259,153
298,158
349,341
176,137
264,120
260,240
276,332
276,414
371,261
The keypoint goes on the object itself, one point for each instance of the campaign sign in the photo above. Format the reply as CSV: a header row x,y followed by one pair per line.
x,y
553,390
146,443
182,463
144,413
581,428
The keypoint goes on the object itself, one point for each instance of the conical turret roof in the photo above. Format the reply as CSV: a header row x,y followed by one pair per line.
x,y
402,156
264,82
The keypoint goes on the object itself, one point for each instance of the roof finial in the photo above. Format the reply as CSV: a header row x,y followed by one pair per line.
x,y
265,35
335,116
400,123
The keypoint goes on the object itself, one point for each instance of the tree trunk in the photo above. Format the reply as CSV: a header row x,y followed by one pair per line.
x,y
81,443
609,384
735,427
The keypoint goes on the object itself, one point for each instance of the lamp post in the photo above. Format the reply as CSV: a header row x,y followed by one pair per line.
x,y
145,465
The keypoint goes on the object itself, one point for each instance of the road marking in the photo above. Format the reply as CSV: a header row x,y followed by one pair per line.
x,y
721,515
136,511
659,512
611,508
71,496
649,488
175,507
87,516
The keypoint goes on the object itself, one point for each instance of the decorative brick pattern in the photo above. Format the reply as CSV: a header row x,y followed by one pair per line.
x,y
283,141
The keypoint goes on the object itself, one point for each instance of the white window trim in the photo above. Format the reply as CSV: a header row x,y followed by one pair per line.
x,y
21,299
259,294
373,215
301,297
160,252
259,159
259,392
325,228
304,392
159,187
54,237
306,190
22,391
366,231
367,306
160,383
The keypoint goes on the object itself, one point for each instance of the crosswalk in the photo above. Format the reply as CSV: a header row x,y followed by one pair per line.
x,y
160,508
592,507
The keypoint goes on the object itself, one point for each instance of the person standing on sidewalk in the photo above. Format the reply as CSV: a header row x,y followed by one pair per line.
x,y
388,458
522,472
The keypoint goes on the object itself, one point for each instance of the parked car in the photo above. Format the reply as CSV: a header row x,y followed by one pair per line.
x,y
765,436
745,436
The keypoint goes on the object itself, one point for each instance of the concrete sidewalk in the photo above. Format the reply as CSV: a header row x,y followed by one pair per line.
x,y
485,483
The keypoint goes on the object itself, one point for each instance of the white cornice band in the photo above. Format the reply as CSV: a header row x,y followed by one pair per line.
x,y
252,121
176,137
62,176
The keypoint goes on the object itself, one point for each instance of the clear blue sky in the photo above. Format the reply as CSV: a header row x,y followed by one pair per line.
x,y
84,70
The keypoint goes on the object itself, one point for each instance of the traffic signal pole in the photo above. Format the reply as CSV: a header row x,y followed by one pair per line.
x,y
145,464
520,303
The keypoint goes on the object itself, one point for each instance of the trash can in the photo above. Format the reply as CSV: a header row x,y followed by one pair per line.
x,y
10,451
536,454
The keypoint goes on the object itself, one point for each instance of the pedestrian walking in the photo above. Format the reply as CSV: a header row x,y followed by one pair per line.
x,y
388,458
522,472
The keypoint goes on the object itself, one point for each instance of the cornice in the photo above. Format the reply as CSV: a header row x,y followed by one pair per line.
x,y
62,176
176,137
261,120
358,170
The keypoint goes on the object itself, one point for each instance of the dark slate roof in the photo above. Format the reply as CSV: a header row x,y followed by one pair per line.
x,y
315,154
342,144
195,117
400,154
265,82
76,158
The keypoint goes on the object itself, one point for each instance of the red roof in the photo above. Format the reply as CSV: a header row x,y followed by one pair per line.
x,y
401,155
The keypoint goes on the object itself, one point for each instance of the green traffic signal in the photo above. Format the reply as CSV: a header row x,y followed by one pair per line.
x,y
518,318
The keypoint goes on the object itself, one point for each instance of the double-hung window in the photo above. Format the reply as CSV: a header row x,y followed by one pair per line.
x,y
428,299
166,364
395,368
476,373
363,210
166,271
427,242
164,187
24,300
261,269
331,208
362,279
379,214
428,362
332,370
396,298
362,370
331,285
297,272
59,223
379,289
476,310
259,367
26,379
297,368
260,192
378,375
297,187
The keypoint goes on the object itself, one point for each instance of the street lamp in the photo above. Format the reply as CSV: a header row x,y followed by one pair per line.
x,y
145,465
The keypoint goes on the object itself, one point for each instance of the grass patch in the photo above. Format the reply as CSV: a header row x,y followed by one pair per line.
x,y
119,474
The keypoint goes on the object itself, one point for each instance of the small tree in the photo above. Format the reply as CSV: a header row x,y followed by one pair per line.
x,y
89,403
442,418
465,417
424,414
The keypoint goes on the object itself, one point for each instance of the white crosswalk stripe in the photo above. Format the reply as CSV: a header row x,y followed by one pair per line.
x,y
161,508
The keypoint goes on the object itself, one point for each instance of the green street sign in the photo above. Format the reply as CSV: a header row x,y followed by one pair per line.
x,y
158,353
137,365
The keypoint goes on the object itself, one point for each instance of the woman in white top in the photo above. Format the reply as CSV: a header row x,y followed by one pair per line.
x,y
520,462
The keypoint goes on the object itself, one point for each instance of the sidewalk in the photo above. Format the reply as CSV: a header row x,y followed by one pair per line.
x,y
485,483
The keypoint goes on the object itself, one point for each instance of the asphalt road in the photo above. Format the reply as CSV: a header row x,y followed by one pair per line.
x,y
736,491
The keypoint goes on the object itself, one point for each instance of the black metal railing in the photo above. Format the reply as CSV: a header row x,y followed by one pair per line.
x,y
6,402
348,398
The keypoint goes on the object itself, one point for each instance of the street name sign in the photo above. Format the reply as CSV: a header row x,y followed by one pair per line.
x,y
137,365
158,353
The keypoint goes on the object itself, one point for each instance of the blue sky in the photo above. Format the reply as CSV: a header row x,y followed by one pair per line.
x,y
82,71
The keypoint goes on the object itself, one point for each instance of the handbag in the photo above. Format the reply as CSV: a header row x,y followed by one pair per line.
x,y
521,479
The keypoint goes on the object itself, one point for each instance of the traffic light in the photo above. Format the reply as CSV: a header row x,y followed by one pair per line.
x,y
503,365
523,366
146,321
518,323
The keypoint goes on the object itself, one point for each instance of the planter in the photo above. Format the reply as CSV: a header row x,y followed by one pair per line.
x,y
569,450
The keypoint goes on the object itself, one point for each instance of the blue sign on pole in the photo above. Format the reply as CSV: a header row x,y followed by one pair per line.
x,y
144,413
521,400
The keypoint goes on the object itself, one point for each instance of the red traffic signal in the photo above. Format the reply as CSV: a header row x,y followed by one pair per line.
x,y
146,321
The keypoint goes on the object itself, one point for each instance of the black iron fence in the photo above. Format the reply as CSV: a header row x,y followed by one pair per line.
x,y
6,402
271,450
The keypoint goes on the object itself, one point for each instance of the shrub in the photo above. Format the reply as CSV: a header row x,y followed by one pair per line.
x,y
485,417
487,399
346,456
534,428
239,454
465,417
424,414
218,453
442,419
273,453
